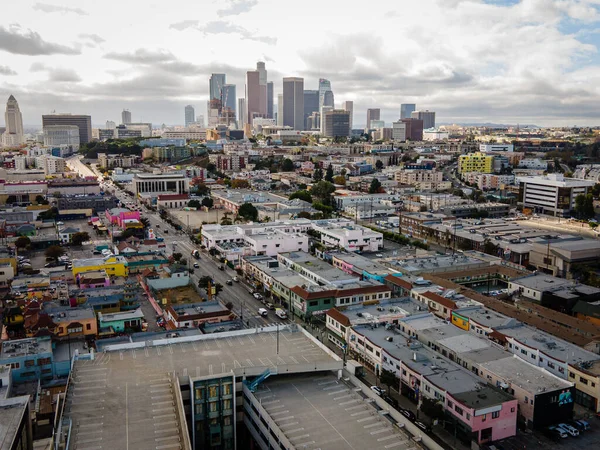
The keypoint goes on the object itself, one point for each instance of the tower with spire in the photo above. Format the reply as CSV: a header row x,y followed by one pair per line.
x,y
13,135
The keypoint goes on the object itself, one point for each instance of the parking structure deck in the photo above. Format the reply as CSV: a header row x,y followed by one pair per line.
x,y
125,398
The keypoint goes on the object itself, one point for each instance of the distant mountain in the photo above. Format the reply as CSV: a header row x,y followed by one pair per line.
x,y
489,125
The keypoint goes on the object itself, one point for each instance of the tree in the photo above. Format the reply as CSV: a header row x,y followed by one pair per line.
x,y
22,242
145,221
379,165
322,191
329,174
375,187
54,251
490,248
303,215
584,206
199,186
79,238
318,174
287,165
340,179
248,211
210,167
207,202
177,256
389,379
302,195
240,184
49,214
194,204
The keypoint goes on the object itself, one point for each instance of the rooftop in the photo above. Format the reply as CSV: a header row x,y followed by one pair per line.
x,y
124,315
358,314
485,397
193,309
25,347
322,420
129,374
11,414
541,282
487,317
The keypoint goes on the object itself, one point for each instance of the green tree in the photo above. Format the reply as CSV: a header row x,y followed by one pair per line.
x,y
210,167
329,174
339,179
322,191
208,202
79,238
194,204
379,165
318,174
54,251
302,195
22,242
375,186
287,165
584,206
303,215
389,379
49,214
177,256
248,211
490,248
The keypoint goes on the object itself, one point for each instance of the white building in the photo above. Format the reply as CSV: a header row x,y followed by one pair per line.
x,y
155,184
488,148
61,135
399,131
195,135
13,135
344,234
533,163
551,194
434,134
51,164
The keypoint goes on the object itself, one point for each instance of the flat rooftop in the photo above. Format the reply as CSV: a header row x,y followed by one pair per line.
x,y
199,308
25,347
515,371
541,282
317,411
11,414
487,317
368,313
317,266
125,392
436,263
484,397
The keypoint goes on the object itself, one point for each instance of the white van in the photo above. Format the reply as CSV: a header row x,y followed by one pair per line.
x,y
281,313
263,312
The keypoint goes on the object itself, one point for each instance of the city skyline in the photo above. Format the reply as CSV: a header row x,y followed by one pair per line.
x,y
528,61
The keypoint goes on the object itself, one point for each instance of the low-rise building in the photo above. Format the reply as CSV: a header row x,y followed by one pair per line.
x,y
476,162
195,314
172,201
30,359
344,234
113,265
120,322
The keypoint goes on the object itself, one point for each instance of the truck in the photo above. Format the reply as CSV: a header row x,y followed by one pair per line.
x,y
196,254
281,313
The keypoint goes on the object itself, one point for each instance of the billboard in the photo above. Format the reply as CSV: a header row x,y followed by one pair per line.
x,y
553,407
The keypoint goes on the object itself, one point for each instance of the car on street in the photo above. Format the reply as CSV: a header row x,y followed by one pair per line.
x,y
196,265
378,390
379,255
257,296
229,282
568,429
423,426
270,305
221,267
408,414
556,433
263,312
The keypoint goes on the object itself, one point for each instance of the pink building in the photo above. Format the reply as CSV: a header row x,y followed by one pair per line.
x,y
118,216
488,414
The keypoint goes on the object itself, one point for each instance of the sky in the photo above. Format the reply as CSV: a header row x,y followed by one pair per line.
x,y
471,61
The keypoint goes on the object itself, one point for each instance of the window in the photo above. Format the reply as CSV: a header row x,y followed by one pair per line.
x,y
450,404
551,365
29,363
512,409
581,379
15,365
484,418
427,388
468,416
495,414
526,399
571,375
458,409
88,326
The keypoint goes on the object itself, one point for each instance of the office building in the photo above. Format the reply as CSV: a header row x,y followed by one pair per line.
x,y
145,183
59,135
475,162
262,88
324,110
279,110
215,85
406,109
270,90
551,194
83,122
252,95
349,107
336,123
325,93
13,135
293,102
428,118
110,125
190,115
489,148
311,105
372,114
125,117
399,131
414,129
241,112
228,97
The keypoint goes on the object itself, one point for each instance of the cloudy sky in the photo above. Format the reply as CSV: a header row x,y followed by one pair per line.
x,y
503,61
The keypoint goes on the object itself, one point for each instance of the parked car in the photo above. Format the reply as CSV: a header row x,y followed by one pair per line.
x,y
577,424
378,390
408,414
196,265
236,279
391,400
263,312
556,433
270,305
221,267
423,426
568,429
257,296
229,282
584,424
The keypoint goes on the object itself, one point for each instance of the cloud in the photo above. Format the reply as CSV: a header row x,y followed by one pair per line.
x,y
5,70
45,7
237,7
56,74
27,42
92,37
142,56
184,25
222,27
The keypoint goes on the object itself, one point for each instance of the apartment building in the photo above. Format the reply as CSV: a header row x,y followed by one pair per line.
x,y
476,162
413,176
344,234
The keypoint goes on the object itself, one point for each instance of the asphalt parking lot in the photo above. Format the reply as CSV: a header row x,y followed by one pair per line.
x,y
586,440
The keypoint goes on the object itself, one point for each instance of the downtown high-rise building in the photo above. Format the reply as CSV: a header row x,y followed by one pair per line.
x,y
311,105
228,97
406,109
279,110
293,102
241,112
262,87
349,107
125,117
413,129
270,91
325,93
215,85
190,115
336,123
13,134
428,118
83,122
372,114
252,95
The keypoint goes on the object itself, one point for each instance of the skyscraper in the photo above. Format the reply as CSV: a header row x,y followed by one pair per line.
x,y
336,123
241,112
270,88
293,102
83,122
279,110
262,88
406,110
13,135
428,118
252,95
413,129
349,107
125,117
190,115
372,114
228,97
325,93
215,84
311,105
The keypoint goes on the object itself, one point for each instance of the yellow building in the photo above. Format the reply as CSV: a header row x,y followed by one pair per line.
x,y
476,162
115,266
